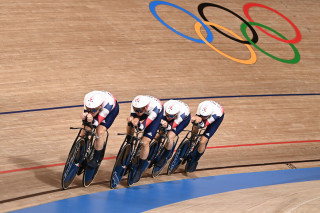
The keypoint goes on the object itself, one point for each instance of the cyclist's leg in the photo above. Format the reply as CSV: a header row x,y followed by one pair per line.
x,y
210,130
171,136
101,132
144,152
143,161
196,155
166,150
100,141
149,133
98,146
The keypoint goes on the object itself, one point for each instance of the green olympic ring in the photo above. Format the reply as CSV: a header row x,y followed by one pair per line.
x,y
296,58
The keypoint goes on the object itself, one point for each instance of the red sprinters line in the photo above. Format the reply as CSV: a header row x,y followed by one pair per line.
x,y
214,147
40,167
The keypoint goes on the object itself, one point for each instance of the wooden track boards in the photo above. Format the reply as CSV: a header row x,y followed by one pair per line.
x,y
53,53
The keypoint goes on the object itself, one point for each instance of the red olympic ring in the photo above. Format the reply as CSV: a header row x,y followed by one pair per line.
x,y
246,8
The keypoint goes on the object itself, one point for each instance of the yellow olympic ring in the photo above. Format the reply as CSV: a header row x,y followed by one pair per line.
x,y
253,58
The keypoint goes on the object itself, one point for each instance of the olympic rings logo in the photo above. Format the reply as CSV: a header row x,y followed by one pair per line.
x,y
253,41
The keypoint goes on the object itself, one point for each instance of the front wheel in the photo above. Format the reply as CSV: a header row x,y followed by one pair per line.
x,y
120,166
178,157
153,151
90,173
133,165
74,161
157,170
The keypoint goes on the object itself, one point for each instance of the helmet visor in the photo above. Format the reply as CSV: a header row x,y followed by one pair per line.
x,y
139,110
170,116
204,117
93,110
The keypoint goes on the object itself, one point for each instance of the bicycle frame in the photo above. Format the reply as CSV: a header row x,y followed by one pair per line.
x,y
82,148
162,132
88,138
197,137
163,139
134,142
189,136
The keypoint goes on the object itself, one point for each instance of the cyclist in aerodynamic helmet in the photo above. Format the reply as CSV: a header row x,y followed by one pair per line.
x,y
176,118
100,108
209,115
146,114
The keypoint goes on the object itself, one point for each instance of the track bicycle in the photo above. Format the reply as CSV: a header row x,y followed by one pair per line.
x,y
80,154
185,149
157,147
127,160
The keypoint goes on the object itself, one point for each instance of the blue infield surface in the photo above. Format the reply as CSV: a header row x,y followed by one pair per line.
x,y
146,197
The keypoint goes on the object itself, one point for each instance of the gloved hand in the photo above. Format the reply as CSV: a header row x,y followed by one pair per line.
x,y
201,124
169,127
89,118
164,123
141,127
83,116
95,123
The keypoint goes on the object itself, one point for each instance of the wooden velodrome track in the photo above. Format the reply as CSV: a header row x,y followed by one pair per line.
x,y
54,52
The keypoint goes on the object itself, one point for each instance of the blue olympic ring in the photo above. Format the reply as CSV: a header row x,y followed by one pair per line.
x,y
152,7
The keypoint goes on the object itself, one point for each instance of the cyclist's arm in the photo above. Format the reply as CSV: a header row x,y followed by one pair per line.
x,y
179,119
176,122
153,114
211,119
149,120
103,114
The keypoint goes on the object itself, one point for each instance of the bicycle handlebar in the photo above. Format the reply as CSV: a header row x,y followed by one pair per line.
x,y
137,131
88,124
197,125
135,127
75,127
161,128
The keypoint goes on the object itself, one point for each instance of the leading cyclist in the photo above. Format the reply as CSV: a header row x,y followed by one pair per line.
x,y
100,108
209,115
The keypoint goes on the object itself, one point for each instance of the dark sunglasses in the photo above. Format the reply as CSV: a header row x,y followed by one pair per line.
x,y
204,117
139,110
93,110
170,116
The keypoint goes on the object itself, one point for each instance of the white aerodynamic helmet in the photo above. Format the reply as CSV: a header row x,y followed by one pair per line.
x,y
139,103
172,109
205,109
93,99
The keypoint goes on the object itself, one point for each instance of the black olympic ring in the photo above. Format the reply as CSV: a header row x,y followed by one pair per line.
x,y
254,33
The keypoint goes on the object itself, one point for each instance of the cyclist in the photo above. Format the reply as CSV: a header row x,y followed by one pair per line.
x,y
210,115
176,118
146,114
100,108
